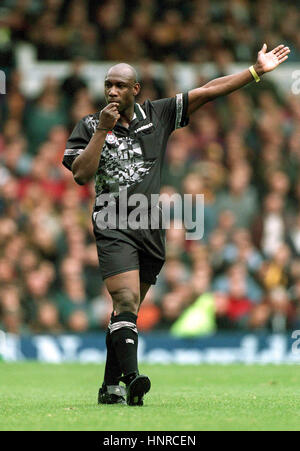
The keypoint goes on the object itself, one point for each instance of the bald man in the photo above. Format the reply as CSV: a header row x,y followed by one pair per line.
x,y
122,147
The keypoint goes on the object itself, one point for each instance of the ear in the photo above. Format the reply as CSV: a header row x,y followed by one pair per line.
x,y
136,89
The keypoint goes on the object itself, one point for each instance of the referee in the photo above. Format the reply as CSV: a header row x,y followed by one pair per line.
x,y
122,147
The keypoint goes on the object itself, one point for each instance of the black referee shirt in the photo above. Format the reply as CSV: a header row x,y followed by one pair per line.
x,y
131,157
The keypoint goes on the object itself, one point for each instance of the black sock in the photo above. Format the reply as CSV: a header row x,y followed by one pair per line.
x,y
112,371
124,338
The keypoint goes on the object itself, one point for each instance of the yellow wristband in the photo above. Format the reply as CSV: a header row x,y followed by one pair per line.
x,y
254,74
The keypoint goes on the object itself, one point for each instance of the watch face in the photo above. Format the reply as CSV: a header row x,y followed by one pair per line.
x,y
111,138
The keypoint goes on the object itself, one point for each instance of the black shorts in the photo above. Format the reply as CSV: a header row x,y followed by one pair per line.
x,y
124,250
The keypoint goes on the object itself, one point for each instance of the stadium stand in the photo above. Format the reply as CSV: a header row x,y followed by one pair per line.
x,y
242,152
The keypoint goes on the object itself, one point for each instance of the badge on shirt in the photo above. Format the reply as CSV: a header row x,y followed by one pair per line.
x,y
111,138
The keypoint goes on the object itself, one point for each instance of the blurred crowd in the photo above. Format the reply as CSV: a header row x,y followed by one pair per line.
x,y
242,152
185,30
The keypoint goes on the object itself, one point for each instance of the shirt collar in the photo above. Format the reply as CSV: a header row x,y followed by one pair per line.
x,y
140,113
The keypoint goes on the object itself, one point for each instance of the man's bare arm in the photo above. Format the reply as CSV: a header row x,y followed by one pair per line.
x,y
266,62
86,165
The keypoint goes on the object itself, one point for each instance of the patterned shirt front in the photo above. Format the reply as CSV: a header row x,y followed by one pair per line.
x,y
123,163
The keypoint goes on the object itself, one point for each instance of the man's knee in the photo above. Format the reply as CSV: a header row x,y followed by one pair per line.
x,y
125,300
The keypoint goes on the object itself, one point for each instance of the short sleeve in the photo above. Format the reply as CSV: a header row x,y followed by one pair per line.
x,y
172,111
77,142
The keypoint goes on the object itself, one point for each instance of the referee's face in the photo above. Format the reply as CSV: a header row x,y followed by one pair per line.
x,y
120,88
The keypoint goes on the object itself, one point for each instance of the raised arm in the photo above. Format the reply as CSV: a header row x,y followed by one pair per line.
x,y
266,62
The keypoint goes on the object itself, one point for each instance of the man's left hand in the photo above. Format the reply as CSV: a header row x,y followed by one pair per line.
x,y
269,61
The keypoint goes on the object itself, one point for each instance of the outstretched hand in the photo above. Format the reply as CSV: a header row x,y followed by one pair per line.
x,y
267,62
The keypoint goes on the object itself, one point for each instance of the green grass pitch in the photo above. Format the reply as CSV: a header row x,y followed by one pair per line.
x,y
37,396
